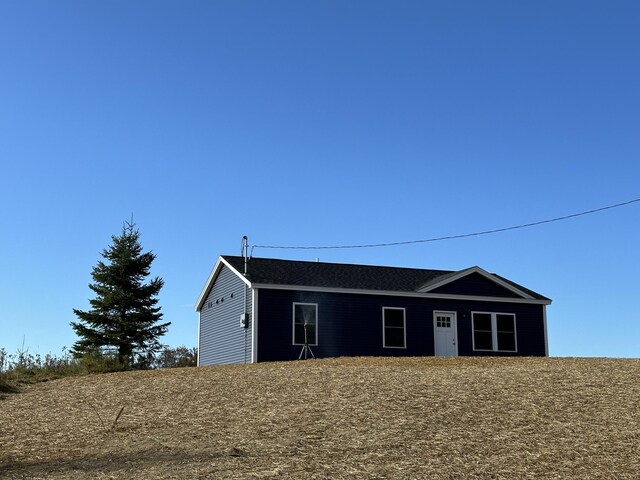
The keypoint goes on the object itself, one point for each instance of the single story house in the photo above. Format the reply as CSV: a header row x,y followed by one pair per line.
x,y
264,309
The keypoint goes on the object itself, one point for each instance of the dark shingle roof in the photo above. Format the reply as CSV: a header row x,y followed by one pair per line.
x,y
521,288
272,271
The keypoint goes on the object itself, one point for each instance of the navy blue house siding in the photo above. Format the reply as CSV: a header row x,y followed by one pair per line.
x,y
351,324
475,284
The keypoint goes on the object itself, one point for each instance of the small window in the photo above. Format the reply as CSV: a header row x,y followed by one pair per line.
x,y
305,323
393,326
495,332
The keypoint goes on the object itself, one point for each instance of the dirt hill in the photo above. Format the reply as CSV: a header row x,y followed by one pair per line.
x,y
362,418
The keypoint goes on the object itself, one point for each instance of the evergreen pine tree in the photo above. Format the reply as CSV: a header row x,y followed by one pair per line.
x,y
124,313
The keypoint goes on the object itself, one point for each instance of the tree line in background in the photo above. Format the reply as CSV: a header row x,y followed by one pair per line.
x,y
166,357
120,331
24,367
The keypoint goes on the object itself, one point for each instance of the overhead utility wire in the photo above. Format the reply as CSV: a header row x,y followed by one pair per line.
x,y
451,237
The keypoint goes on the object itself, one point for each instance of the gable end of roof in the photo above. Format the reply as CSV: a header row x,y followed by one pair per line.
x,y
431,286
220,264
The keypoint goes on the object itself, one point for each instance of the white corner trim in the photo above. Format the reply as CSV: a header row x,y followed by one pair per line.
x,y
546,337
198,353
254,325
481,271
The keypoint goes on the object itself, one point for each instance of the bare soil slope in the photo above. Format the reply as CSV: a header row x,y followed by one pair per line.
x,y
362,418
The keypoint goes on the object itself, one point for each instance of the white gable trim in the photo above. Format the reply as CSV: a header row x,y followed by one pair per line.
x,y
212,278
469,271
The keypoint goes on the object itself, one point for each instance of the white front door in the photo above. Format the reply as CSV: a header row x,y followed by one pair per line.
x,y
444,326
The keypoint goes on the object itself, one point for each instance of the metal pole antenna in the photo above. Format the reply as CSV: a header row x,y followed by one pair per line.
x,y
245,251
245,248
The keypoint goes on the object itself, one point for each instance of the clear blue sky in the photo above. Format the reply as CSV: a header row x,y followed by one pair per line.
x,y
324,122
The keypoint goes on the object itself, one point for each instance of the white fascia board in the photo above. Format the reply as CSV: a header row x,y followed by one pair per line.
x,y
212,278
484,273
392,293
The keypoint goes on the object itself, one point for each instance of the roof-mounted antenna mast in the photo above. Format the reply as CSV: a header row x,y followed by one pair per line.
x,y
245,318
245,253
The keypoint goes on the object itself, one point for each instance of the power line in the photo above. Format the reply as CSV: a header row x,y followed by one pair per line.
x,y
451,237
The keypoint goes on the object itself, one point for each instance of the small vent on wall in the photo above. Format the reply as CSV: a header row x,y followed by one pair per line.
x,y
218,301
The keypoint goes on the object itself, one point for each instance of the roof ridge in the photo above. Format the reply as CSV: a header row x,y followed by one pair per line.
x,y
346,264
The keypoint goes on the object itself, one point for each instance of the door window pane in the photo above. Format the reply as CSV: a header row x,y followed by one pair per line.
x,y
443,322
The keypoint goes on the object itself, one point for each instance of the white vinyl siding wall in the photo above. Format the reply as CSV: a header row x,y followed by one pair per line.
x,y
222,340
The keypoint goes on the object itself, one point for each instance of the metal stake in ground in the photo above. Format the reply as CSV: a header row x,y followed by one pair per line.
x,y
306,349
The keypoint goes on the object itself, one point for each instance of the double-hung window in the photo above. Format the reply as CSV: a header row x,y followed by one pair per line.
x,y
305,324
494,332
393,328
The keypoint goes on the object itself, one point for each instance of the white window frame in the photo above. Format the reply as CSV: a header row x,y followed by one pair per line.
x,y
404,327
293,323
494,332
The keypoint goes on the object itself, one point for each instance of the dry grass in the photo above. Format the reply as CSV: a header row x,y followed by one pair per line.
x,y
333,419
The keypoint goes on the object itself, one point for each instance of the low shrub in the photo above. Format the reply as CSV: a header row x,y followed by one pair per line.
x,y
6,386
24,367
176,357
